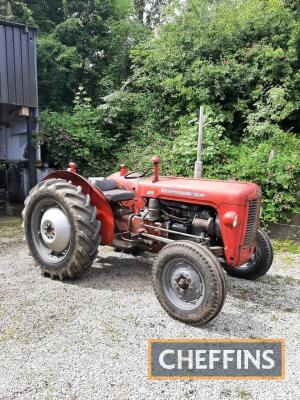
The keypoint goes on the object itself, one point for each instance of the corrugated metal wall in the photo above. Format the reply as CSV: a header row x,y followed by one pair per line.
x,y
18,80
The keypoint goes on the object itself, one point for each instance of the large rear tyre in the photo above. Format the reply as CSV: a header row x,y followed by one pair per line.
x,y
61,228
260,262
189,282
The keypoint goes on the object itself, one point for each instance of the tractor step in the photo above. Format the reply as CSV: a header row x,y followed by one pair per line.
x,y
122,244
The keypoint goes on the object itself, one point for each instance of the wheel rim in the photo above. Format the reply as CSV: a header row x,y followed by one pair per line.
x,y
51,230
183,284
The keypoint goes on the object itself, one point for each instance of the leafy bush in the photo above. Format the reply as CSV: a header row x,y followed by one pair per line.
x,y
77,136
242,60
275,165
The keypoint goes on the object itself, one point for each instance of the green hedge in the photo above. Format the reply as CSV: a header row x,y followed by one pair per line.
x,y
274,164
241,60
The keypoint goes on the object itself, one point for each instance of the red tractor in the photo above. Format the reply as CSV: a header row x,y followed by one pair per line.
x,y
197,228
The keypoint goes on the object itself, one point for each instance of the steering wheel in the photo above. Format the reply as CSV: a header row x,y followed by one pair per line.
x,y
138,174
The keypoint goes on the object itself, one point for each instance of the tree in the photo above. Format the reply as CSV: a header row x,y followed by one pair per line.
x,y
240,59
12,10
82,42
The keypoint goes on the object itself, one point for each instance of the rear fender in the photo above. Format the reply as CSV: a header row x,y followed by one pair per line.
x,y
104,212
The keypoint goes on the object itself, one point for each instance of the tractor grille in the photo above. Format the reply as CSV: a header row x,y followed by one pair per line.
x,y
252,222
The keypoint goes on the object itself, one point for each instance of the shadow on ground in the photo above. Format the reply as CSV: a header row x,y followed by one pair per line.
x,y
127,273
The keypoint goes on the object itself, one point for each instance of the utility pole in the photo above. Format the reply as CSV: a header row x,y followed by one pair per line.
x,y
198,163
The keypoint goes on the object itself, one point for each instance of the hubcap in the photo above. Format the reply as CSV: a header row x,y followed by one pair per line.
x,y
183,284
55,229
51,230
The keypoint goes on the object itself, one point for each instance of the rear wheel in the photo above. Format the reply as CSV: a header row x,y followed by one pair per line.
x,y
61,228
260,262
189,282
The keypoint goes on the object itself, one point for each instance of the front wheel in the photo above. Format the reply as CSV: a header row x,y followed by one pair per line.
x,y
189,282
260,261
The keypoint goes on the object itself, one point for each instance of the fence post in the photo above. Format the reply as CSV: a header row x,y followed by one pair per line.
x,y
198,163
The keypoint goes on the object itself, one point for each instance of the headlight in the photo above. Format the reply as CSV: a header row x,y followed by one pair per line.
x,y
230,219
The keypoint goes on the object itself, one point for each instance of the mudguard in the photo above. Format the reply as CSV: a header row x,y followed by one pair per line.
x,y
104,212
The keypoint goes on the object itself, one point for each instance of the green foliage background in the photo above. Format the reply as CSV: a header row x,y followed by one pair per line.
x,y
119,84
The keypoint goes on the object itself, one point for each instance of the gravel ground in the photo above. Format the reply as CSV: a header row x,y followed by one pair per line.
x,y
87,339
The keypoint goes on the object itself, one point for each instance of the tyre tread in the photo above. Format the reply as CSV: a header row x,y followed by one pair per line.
x,y
215,270
261,267
85,220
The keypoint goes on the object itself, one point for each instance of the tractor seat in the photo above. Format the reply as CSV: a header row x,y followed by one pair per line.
x,y
111,191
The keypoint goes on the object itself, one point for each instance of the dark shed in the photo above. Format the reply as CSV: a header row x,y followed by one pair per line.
x,y
18,75
18,110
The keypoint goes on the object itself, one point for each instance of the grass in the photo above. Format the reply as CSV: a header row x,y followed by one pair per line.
x,y
10,221
7,334
288,261
286,246
10,228
244,394
226,392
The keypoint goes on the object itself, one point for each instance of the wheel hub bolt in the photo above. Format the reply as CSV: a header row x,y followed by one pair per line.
x,y
183,283
49,231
